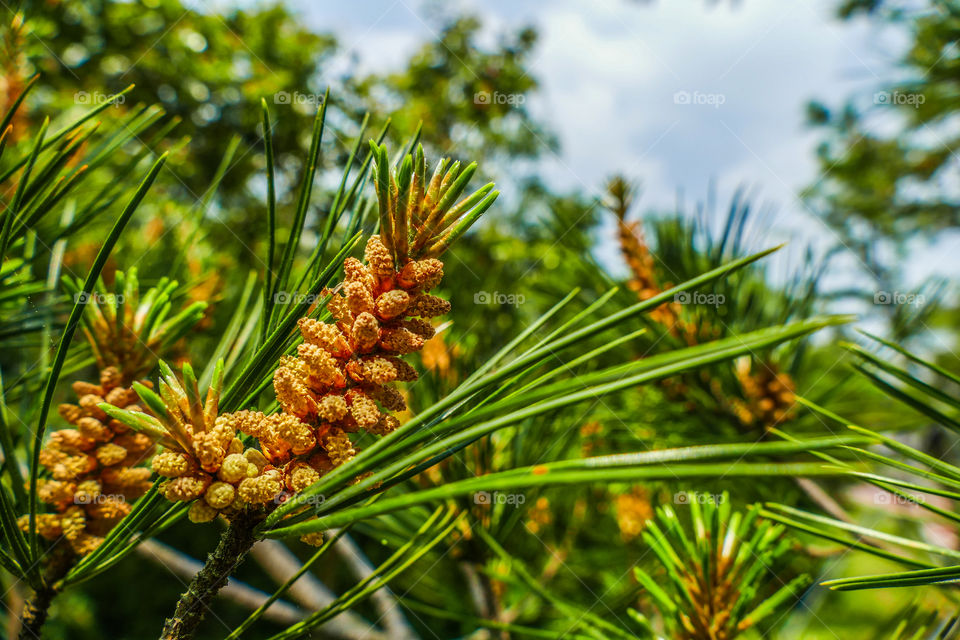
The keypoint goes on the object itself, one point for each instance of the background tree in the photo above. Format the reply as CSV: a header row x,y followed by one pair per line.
x,y
887,161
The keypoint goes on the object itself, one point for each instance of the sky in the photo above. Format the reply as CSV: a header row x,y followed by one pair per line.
x,y
672,93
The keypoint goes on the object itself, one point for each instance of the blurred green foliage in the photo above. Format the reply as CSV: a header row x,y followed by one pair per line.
x,y
886,159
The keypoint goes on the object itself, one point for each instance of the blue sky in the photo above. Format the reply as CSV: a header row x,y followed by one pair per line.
x,y
610,72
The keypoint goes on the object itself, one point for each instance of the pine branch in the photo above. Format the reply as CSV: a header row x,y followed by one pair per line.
x,y
230,552
37,608
35,612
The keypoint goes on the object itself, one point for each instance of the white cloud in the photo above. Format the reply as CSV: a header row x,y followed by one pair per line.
x,y
609,72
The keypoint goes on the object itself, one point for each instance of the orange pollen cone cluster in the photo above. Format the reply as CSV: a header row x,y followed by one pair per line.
x,y
341,381
343,377
202,459
769,395
218,474
95,466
